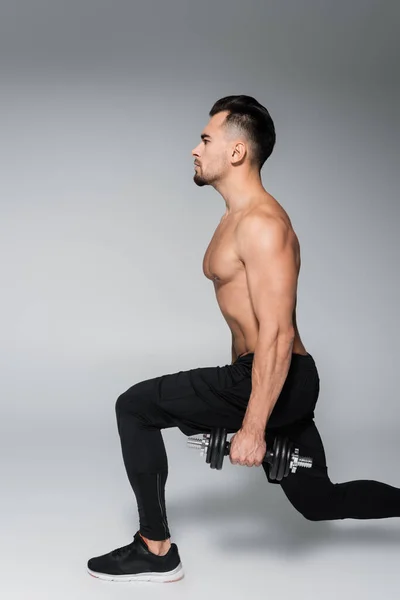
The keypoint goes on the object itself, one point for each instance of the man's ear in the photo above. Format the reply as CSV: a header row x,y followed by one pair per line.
x,y
239,152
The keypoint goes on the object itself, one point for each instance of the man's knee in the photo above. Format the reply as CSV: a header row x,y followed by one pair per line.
x,y
318,503
120,404
129,401
314,515
141,403
310,511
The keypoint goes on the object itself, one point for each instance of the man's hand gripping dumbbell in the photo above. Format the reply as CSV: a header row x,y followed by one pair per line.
x,y
283,458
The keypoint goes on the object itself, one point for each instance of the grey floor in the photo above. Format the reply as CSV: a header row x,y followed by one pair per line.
x,y
236,533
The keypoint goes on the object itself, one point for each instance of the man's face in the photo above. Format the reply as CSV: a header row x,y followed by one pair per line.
x,y
211,156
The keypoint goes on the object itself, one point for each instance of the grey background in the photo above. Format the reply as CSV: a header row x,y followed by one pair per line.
x,y
102,235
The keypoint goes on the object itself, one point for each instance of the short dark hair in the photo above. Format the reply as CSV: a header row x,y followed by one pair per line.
x,y
253,119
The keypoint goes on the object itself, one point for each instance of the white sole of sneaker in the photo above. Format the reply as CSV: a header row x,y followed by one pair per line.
x,y
167,577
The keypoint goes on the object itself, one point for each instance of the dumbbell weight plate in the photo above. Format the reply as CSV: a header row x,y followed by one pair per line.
x,y
275,463
283,459
212,441
221,450
209,448
218,447
290,451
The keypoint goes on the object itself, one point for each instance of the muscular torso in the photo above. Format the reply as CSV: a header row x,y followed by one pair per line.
x,y
224,268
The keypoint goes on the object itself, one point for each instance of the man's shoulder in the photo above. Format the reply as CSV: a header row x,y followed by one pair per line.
x,y
268,224
265,216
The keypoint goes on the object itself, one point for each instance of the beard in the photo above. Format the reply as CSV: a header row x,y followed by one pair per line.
x,y
199,180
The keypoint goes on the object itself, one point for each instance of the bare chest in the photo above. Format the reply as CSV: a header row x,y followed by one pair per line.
x,y
221,262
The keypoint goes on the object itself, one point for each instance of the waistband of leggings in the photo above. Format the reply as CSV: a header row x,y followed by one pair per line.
x,y
295,357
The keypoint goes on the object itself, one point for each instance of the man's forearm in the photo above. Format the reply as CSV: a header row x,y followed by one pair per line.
x,y
271,365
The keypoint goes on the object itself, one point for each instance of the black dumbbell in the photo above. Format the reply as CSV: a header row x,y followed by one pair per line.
x,y
283,458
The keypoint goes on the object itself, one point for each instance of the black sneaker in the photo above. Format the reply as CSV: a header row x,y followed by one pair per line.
x,y
135,562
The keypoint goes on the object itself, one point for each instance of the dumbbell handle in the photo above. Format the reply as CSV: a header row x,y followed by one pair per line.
x,y
295,460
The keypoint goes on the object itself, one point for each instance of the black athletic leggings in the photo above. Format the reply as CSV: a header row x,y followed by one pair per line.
x,y
201,399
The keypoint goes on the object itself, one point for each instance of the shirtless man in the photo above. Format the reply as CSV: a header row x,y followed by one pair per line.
x,y
272,385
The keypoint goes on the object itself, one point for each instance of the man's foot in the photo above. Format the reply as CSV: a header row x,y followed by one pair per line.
x,y
135,562
159,548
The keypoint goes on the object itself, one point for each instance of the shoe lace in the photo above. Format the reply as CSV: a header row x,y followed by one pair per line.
x,y
122,550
